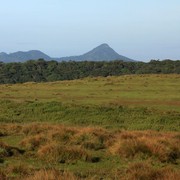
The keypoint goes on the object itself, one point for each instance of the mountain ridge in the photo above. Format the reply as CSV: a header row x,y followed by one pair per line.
x,y
21,56
102,52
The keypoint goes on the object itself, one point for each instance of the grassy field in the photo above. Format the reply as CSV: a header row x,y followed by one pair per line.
x,y
158,91
125,127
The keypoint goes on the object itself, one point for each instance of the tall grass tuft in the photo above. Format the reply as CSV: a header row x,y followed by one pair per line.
x,y
54,152
51,174
144,171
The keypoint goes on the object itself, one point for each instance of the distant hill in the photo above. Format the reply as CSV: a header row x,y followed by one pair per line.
x,y
21,56
102,52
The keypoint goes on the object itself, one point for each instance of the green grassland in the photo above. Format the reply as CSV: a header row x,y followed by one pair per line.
x,y
113,128
135,102
159,91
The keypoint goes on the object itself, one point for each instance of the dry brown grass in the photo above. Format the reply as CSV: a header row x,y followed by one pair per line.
x,y
3,150
51,175
131,147
143,171
10,129
33,142
53,140
164,146
39,135
2,175
8,151
170,174
62,145
61,153
20,168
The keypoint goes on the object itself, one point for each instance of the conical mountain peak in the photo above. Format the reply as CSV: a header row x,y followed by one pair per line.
x,y
104,45
102,52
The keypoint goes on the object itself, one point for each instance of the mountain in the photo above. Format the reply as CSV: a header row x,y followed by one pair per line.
x,y
102,52
21,56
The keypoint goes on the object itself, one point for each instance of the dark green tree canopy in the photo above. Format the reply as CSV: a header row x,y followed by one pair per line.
x,y
44,71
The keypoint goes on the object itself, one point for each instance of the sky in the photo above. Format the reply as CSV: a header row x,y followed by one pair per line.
x,y
139,29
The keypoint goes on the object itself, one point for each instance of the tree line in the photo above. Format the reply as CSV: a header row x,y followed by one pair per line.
x,y
45,71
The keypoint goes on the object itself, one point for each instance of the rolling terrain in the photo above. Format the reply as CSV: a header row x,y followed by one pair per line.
x,y
124,127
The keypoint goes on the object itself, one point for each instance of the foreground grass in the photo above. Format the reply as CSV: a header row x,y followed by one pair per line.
x,y
117,117
43,150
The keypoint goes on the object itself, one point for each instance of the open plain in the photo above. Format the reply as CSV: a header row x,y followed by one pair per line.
x,y
119,127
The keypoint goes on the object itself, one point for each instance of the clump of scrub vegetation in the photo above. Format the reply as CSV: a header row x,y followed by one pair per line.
x,y
86,149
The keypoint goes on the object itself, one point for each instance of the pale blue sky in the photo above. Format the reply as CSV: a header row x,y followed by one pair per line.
x,y
138,29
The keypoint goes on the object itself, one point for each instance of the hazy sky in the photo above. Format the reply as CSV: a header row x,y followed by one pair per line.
x,y
138,29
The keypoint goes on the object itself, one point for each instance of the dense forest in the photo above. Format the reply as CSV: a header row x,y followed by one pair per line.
x,y
44,71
